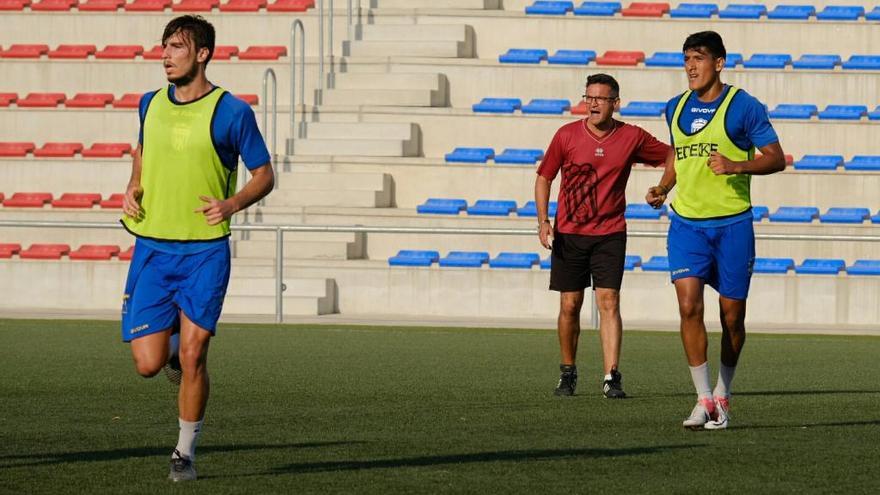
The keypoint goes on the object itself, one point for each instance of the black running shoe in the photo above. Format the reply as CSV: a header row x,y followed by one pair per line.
x,y
568,380
172,370
612,388
182,469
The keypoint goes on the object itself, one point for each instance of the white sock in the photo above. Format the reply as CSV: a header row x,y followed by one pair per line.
x,y
700,377
725,377
186,441
608,377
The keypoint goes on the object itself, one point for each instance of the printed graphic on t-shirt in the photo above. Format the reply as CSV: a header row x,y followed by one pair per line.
x,y
698,124
578,192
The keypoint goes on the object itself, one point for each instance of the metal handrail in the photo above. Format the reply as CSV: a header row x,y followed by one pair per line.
x,y
281,229
269,72
320,48
330,77
295,26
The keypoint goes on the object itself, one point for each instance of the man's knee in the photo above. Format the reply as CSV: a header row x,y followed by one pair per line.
x,y
147,368
570,305
690,309
193,356
608,301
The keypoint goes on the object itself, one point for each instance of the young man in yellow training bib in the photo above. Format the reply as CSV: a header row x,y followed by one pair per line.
x,y
178,203
715,129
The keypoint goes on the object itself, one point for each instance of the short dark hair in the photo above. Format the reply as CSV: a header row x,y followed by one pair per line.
x,y
196,29
710,40
606,80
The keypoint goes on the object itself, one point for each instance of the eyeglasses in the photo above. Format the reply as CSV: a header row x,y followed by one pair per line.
x,y
599,99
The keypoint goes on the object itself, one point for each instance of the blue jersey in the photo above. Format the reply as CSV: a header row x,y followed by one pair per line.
x,y
747,122
235,134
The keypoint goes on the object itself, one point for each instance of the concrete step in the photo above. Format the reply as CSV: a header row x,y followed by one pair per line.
x,y
292,305
385,97
417,32
361,130
296,287
357,147
335,181
324,197
389,80
325,250
434,4
408,48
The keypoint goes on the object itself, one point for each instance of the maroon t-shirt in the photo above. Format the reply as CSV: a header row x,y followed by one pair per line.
x,y
592,196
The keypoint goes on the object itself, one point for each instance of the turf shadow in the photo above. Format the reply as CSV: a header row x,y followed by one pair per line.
x,y
9,461
870,422
804,392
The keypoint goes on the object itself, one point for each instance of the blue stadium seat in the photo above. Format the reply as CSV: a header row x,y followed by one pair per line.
x,y
414,258
547,106
733,59
529,209
694,10
630,262
819,162
545,263
813,61
497,105
644,109
790,111
863,162
773,265
642,211
743,11
819,266
656,264
515,155
515,260
801,214
492,207
470,155
523,56
873,15
598,8
759,213
442,206
841,13
843,112
864,267
876,218
465,259
572,57
665,59
768,61
875,115
799,12
845,215
862,62
544,7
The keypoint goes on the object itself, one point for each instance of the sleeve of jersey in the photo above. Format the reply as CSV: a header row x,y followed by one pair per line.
x,y
250,143
553,158
142,114
651,151
670,112
757,124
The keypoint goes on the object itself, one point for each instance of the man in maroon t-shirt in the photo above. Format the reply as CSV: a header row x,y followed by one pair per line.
x,y
596,155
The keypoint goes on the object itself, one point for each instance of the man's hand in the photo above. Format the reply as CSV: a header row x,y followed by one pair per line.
x,y
215,210
656,196
720,165
131,203
545,234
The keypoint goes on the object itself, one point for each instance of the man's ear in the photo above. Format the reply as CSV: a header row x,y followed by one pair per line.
x,y
202,55
719,64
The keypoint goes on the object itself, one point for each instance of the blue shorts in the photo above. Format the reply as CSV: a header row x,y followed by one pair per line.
x,y
722,256
160,285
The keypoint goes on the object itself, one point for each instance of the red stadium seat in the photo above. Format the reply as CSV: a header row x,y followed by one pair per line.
x,y
76,200
94,252
613,57
290,5
45,252
249,99
2,197
147,5
128,100
73,51
242,5
263,53
58,150
42,100
28,200
7,99
8,249
89,100
645,9
224,52
17,150
127,254
53,5
13,5
120,52
24,51
154,53
195,5
100,5
580,109
106,150
113,201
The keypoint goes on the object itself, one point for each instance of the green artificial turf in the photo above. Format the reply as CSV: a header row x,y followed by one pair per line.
x,y
313,409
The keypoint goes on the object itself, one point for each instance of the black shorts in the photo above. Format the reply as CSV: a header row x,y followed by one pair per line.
x,y
576,259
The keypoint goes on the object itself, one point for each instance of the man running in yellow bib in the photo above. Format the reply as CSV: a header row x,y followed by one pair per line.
x,y
715,129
